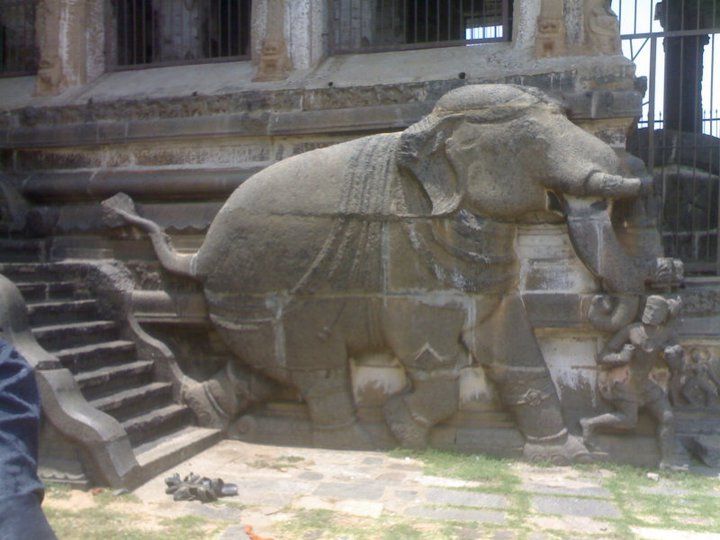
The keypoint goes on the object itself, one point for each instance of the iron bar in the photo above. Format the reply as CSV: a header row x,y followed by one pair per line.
x,y
418,24
176,32
679,139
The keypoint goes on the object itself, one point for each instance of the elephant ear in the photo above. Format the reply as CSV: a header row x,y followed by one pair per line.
x,y
422,153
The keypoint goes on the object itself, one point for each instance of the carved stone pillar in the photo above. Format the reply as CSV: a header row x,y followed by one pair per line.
x,y
62,42
684,62
274,62
550,37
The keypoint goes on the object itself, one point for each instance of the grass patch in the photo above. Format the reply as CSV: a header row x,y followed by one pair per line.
x,y
104,516
691,509
103,523
495,476
326,525
473,468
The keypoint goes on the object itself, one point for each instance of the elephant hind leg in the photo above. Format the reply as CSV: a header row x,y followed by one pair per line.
x,y
410,416
332,409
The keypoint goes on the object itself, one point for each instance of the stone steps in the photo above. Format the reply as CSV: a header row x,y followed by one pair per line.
x,y
55,290
59,336
62,311
129,402
158,422
22,250
99,381
42,272
166,451
66,320
94,356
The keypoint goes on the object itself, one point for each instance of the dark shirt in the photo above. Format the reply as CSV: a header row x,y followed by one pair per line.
x,y
19,426
21,517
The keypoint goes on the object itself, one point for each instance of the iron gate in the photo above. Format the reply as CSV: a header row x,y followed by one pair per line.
x,y
673,44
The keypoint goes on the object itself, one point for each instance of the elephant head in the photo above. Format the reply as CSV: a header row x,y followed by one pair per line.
x,y
512,154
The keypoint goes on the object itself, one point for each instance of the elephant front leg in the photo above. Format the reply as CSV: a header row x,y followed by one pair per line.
x,y
507,348
332,409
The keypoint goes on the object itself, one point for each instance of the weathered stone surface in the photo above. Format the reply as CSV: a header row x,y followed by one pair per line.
x,y
337,490
234,532
594,508
456,514
626,379
706,448
384,258
459,497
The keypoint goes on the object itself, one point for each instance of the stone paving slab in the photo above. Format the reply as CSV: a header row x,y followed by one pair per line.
x,y
582,524
437,481
450,497
457,514
276,483
369,491
587,491
548,504
671,534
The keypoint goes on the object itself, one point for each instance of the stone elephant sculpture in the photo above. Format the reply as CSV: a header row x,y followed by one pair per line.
x,y
402,243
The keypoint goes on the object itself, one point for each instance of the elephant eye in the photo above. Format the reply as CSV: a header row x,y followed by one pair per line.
x,y
553,202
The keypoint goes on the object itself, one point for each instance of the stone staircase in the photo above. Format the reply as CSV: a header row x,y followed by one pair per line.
x,y
68,322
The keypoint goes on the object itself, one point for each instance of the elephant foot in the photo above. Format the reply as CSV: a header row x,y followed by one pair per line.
x,y
350,437
587,431
572,450
199,398
673,466
407,429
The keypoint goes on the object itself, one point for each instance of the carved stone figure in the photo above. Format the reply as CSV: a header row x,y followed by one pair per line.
x,y
602,30
550,37
698,383
49,76
402,244
274,62
626,363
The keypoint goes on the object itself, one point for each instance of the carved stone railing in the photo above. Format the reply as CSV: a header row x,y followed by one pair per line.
x,y
64,407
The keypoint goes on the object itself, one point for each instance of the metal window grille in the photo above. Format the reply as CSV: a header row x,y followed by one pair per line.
x,y
377,25
18,51
149,33
675,44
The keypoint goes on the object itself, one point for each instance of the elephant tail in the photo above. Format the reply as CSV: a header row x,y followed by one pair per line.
x,y
120,210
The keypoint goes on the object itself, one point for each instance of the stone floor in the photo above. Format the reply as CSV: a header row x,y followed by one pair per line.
x,y
280,488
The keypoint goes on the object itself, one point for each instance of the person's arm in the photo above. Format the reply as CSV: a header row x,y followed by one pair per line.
x,y
618,350
621,358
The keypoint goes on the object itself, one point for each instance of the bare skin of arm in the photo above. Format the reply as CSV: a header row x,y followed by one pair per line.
x,y
618,351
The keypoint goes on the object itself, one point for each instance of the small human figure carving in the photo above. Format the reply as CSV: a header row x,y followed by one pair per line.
x,y
700,388
626,363
602,28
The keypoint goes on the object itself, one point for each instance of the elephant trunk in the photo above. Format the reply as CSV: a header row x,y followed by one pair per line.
x,y
120,210
608,318
595,242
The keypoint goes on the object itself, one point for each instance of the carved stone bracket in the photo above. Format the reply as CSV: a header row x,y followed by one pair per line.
x,y
61,27
274,62
550,38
